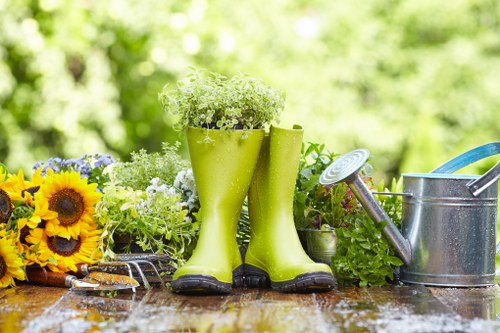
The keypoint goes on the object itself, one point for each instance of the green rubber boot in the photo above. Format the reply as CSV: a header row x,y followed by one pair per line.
x,y
222,171
275,257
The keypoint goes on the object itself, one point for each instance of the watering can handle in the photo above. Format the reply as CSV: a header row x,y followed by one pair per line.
x,y
477,185
468,157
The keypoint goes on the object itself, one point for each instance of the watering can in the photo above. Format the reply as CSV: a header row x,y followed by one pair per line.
x,y
448,231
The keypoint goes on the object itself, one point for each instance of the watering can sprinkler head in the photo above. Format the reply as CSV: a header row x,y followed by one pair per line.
x,y
346,169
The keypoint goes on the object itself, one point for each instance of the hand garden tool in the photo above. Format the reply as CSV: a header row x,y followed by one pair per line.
x,y
449,220
94,281
144,266
222,169
275,257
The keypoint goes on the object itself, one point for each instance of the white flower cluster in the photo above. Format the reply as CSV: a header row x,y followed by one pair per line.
x,y
183,191
184,181
157,187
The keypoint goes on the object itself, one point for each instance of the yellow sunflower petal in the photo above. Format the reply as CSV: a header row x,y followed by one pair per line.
x,y
61,254
11,263
72,199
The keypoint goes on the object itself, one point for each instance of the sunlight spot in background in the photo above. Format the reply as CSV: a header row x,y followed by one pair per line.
x,y
33,39
158,55
307,26
49,5
179,21
227,42
197,10
191,43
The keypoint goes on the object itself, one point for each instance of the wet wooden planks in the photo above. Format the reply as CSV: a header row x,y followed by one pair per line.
x,y
375,309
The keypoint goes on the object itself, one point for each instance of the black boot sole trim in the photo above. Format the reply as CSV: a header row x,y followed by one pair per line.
x,y
194,284
255,277
303,283
238,276
205,284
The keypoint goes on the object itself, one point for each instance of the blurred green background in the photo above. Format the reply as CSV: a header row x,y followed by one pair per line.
x,y
416,81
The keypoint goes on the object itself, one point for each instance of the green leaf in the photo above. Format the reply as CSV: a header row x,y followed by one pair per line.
x,y
3,172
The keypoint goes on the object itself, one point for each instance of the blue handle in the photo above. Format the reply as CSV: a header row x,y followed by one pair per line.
x,y
468,157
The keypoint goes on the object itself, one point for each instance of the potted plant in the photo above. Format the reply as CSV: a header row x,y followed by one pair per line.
x,y
224,120
318,210
149,205
335,229
213,101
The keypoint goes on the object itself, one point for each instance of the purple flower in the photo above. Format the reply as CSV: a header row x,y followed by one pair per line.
x,y
103,160
85,170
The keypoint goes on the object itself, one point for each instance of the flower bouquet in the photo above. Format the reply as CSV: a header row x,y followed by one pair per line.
x,y
71,211
47,222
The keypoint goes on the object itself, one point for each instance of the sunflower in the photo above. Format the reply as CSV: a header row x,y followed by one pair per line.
x,y
21,189
62,254
73,199
40,214
6,206
11,263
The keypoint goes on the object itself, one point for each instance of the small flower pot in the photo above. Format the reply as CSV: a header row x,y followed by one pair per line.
x,y
320,245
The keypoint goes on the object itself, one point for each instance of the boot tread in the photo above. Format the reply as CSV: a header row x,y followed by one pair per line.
x,y
306,282
193,284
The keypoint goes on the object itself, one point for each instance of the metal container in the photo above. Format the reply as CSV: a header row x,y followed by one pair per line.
x,y
449,221
320,245
452,232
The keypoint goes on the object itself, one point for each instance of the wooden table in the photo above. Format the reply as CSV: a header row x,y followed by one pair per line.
x,y
400,309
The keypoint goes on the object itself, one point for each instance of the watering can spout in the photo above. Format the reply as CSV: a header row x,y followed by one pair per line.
x,y
345,169
377,214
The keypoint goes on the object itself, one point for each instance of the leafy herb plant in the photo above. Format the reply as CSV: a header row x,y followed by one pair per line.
x,y
363,255
316,205
145,166
152,202
155,219
215,101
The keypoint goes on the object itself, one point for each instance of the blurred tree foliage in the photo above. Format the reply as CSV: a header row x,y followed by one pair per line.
x,y
414,81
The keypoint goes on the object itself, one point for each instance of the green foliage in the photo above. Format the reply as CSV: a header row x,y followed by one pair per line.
x,y
145,166
212,100
391,204
363,255
413,81
156,222
316,205
150,201
243,231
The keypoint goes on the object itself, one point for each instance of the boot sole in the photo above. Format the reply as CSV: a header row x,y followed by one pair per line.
x,y
198,284
306,282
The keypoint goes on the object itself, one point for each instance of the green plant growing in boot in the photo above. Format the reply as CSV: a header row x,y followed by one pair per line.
x,y
275,256
224,120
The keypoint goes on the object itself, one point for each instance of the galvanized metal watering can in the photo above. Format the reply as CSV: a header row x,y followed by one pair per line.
x,y
448,231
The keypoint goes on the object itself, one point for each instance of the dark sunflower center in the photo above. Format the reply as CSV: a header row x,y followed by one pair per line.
x,y
3,267
25,231
69,206
5,207
62,246
30,190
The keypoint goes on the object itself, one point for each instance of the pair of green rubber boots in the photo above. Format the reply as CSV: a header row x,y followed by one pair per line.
x,y
226,170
